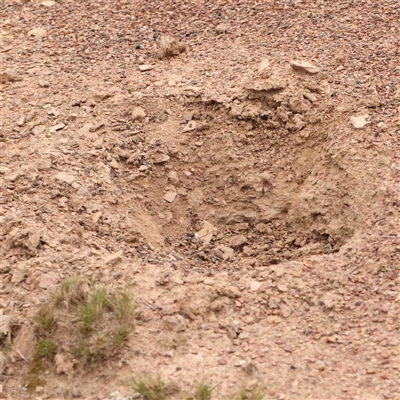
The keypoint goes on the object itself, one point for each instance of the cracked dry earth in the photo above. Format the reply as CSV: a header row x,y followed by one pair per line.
x,y
250,203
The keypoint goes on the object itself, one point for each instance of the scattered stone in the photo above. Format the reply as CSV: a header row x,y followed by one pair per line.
x,y
43,84
221,28
170,196
358,122
114,164
5,324
85,128
169,46
205,234
173,177
298,105
64,365
146,67
21,121
48,280
25,341
161,158
7,76
64,177
237,241
304,66
96,216
115,258
188,116
286,312
224,252
191,126
255,285
39,33
282,288
264,69
44,163
48,3
57,127
138,114
38,129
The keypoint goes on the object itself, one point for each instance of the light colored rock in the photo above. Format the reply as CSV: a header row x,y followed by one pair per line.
x,y
221,28
304,66
170,46
264,69
39,33
115,258
146,67
38,129
173,177
44,163
255,285
298,105
48,3
138,113
224,252
48,280
358,122
161,158
205,234
170,196
21,121
64,177
44,84
7,76
191,126
57,127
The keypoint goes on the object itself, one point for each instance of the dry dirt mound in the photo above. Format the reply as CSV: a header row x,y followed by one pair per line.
x,y
248,199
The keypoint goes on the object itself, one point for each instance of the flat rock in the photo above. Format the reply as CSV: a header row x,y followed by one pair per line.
x,y
264,69
170,196
255,285
114,258
44,84
57,127
237,241
304,66
358,122
206,233
224,252
145,67
48,3
221,28
44,163
191,126
39,33
38,129
7,76
48,280
161,158
64,177
138,113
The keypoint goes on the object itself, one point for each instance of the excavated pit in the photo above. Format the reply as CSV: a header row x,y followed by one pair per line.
x,y
267,188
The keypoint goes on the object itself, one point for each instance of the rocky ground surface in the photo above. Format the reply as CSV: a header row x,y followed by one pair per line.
x,y
246,190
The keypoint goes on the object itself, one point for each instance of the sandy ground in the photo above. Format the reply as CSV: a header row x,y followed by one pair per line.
x,y
250,202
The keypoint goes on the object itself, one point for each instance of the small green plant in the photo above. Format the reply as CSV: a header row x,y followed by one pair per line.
x,y
45,350
255,392
119,337
124,307
149,388
90,310
203,392
71,292
45,319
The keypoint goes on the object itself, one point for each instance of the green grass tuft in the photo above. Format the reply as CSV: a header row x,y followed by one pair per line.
x,y
203,392
149,388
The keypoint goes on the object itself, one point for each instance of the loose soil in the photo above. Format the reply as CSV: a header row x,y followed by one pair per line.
x,y
251,205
